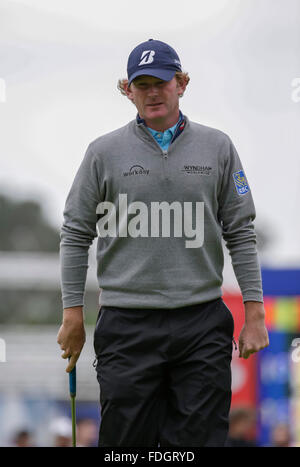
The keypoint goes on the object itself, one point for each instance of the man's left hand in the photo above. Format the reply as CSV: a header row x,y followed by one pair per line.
x,y
254,334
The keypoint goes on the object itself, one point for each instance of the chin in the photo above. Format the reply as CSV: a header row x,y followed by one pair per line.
x,y
159,113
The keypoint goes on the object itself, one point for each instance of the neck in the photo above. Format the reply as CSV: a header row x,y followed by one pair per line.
x,y
162,124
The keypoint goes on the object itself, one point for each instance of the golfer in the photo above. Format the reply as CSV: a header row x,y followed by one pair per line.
x,y
160,193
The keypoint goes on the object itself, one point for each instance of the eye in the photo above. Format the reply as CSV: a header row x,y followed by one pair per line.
x,y
141,85
159,83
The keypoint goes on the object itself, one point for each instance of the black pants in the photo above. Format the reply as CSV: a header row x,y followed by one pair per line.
x,y
164,375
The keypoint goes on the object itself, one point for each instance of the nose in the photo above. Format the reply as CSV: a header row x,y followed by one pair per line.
x,y
152,90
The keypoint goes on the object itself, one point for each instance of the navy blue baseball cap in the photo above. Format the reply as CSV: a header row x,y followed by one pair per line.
x,y
153,58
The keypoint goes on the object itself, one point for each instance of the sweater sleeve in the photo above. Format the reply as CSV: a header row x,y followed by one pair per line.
x,y
236,214
78,231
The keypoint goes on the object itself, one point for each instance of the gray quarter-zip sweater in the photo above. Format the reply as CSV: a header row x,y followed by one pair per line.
x,y
159,217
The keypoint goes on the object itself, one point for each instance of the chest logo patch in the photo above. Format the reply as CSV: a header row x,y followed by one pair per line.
x,y
241,182
136,170
197,169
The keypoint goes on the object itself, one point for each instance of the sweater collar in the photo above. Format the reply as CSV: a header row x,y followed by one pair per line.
x,y
178,129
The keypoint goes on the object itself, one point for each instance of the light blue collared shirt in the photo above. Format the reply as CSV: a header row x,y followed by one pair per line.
x,y
164,138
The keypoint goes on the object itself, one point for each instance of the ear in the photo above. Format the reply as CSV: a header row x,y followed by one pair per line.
x,y
181,86
127,90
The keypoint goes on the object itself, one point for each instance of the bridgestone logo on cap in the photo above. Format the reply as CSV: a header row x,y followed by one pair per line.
x,y
147,57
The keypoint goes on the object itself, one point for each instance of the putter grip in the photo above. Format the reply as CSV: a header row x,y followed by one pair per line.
x,y
72,382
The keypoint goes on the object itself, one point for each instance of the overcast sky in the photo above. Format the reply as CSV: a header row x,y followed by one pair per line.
x,y
60,61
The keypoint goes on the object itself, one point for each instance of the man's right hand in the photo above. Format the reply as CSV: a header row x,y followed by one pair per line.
x,y
71,335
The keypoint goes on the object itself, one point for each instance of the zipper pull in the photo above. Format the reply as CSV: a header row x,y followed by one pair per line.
x,y
95,362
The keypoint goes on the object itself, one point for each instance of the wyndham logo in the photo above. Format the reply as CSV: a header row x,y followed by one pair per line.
x,y
241,182
197,169
136,170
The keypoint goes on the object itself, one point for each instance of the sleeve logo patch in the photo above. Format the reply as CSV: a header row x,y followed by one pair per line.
x,y
241,182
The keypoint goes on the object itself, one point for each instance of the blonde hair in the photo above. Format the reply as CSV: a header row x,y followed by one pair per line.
x,y
179,75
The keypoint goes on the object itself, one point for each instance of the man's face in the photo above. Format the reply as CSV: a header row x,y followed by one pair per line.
x,y
155,99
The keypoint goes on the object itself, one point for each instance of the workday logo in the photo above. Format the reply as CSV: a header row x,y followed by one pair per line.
x,y
136,170
147,57
2,351
160,219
